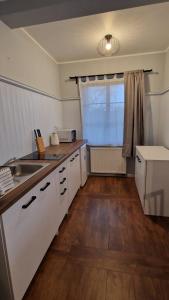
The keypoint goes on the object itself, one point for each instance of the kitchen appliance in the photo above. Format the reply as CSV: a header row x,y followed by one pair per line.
x,y
66,135
42,156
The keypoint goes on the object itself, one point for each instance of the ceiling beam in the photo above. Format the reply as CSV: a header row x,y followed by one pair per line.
x,y
22,13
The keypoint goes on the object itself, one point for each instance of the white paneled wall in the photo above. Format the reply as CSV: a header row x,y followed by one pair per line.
x,y
20,112
72,116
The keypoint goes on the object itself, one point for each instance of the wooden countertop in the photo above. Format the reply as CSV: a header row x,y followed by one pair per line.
x,y
15,194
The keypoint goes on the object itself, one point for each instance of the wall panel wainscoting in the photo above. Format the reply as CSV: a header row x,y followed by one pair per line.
x,y
21,111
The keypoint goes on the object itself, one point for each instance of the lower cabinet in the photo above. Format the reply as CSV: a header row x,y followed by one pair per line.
x,y
28,227
151,177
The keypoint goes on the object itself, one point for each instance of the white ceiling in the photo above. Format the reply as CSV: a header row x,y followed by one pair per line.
x,y
141,29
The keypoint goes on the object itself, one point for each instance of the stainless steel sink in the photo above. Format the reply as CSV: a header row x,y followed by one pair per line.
x,y
23,171
19,169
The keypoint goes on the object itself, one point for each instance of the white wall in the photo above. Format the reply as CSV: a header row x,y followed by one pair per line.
x,y
163,134
154,83
166,71
22,60
21,110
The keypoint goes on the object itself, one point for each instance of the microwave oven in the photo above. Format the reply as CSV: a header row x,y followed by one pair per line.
x,y
66,135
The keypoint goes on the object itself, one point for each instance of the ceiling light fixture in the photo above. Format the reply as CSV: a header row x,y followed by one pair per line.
x,y
108,46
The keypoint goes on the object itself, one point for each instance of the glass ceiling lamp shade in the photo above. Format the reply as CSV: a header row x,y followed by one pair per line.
x,y
108,46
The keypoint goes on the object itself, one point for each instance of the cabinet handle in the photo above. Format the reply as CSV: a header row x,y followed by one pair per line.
x,y
61,171
64,191
138,159
29,203
72,159
64,179
45,187
77,155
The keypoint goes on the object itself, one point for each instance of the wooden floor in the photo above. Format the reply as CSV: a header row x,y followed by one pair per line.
x,y
106,249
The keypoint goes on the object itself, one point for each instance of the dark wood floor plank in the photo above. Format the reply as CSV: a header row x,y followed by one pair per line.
x,y
149,288
44,284
88,228
117,261
59,279
120,286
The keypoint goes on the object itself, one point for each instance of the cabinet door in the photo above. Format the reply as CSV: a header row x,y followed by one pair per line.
x,y
83,164
71,181
74,175
140,174
29,227
77,175
157,188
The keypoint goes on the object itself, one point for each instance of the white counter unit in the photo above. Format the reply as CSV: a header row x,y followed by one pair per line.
x,y
28,227
152,179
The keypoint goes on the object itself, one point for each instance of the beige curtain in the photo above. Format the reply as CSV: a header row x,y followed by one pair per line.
x,y
134,112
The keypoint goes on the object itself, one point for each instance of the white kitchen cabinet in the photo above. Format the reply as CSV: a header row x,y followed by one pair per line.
x,y
151,177
83,164
29,227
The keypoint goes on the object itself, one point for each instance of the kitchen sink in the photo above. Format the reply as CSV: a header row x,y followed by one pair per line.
x,y
19,169
23,171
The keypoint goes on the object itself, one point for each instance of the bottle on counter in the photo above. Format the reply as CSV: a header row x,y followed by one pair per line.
x,y
54,137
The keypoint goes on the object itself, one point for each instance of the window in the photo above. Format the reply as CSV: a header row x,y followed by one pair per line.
x,y
102,107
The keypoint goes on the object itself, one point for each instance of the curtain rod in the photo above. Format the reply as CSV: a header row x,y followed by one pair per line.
x,y
120,73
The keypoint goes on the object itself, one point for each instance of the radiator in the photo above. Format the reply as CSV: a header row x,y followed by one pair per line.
x,y
107,160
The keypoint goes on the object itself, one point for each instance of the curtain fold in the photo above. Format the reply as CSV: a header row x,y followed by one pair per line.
x,y
134,112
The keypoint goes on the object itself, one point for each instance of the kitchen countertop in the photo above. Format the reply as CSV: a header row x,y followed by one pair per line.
x,y
153,152
15,194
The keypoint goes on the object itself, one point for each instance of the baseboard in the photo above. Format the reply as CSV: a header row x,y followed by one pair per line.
x,y
108,174
130,175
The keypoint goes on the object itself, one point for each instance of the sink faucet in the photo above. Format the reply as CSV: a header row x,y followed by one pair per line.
x,y
11,160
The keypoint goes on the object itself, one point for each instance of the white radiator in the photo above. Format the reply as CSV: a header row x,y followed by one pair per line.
x,y
107,160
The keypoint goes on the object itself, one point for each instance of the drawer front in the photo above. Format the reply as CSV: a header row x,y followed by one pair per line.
x,y
63,201
61,182
29,228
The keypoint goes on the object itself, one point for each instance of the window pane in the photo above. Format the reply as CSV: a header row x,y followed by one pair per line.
x,y
103,114
117,92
